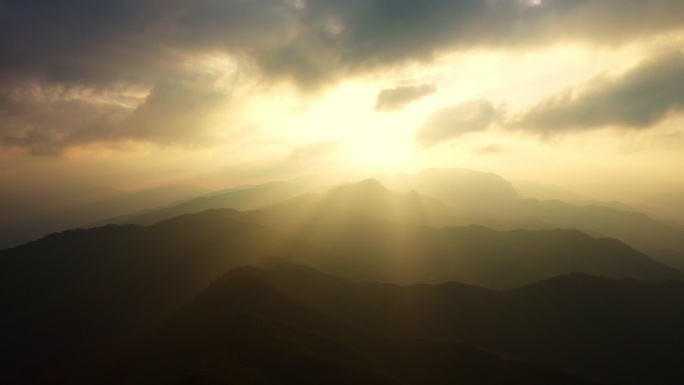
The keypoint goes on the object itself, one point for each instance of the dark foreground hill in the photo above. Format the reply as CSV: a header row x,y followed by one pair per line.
x,y
620,330
244,329
75,287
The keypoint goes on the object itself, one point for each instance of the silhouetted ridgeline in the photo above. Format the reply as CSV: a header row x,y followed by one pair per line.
x,y
249,328
463,197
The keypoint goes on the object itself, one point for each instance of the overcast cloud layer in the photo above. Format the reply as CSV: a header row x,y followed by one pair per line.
x,y
67,68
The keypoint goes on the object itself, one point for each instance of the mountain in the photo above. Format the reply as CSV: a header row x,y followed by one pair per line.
x,y
656,238
102,283
624,331
31,216
241,198
370,199
474,195
244,329
460,197
487,199
371,228
547,192
461,189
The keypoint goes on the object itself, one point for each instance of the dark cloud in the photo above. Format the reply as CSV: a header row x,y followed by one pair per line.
x,y
103,41
451,122
639,99
394,99
362,35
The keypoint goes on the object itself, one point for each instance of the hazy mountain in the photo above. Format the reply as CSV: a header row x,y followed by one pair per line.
x,y
29,217
461,189
528,189
240,198
489,200
666,204
476,197
465,197
370,199
638,230
244,329
370,228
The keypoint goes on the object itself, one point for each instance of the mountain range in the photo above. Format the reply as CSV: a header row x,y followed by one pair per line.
x,y
284,323
356,283
462,197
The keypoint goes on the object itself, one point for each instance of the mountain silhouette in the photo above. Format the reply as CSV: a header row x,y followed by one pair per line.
x,y
240,198
103,283
38,213
245,329
113,290
624,331
463,190
457,197
372,229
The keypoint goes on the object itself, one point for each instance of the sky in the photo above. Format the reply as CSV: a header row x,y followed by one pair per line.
x,y
587,94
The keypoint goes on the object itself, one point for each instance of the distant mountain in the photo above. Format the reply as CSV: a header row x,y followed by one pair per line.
x,y
486,199
74,208
461,197
244,329
371,229
656,238
461,189
369,199
547,192
241,198
476,197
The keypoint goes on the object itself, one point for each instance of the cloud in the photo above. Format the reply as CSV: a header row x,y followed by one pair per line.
x,y
316,41
103,45
638,99
104,42
334,39
451,122
46,122
394,99
39,121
